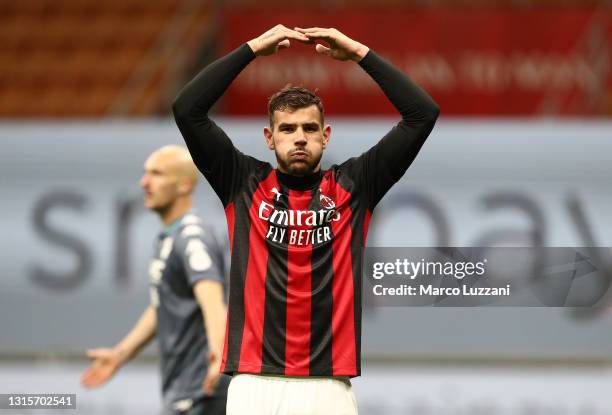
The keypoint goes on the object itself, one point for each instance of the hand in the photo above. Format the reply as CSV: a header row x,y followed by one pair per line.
x,y
274,39
213,375
105,362
341,47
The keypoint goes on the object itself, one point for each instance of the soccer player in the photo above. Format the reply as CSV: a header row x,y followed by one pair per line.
x,y
187,309
296,231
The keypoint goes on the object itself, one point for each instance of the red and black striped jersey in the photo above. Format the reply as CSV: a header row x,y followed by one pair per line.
x,y
296,247
297,242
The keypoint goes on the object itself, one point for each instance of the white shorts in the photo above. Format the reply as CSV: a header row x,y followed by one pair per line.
x,y
277,395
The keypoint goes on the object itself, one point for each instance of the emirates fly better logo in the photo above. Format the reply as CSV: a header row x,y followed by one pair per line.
x,y
299,227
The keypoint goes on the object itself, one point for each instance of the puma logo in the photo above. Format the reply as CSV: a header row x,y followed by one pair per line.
x,y
276,193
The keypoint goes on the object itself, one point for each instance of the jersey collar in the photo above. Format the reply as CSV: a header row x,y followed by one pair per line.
x,y
169,229
300,183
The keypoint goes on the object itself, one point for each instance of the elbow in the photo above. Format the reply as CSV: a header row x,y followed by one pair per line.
x,y
430,116
436,111
180,107
433,111
426,116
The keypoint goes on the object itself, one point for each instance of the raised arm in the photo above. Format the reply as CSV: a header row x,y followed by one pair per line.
x,y
211,149
386,162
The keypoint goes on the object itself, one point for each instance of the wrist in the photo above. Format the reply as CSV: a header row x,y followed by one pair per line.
x,y
123,354
253,44
360,52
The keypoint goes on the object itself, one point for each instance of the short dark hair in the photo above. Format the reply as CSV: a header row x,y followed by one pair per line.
x,y
292,98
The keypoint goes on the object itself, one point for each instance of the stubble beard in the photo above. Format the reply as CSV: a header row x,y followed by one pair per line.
x,y
298,168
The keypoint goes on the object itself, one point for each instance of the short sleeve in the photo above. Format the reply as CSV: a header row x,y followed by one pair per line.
x,y
200,254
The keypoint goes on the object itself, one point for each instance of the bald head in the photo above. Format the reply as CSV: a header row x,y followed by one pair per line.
x,y
169,179
176,161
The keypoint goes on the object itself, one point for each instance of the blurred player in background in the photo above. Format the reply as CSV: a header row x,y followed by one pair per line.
x,y
187,309
297,232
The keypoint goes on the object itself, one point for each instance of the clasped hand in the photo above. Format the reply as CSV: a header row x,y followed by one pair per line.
x,y
338,45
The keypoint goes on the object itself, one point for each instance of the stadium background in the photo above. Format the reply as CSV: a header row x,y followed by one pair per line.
x,y
520,156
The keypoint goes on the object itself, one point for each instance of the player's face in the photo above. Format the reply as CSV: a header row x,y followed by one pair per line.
x,y
298,138
159,182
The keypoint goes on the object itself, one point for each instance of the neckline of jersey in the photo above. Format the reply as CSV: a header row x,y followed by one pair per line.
x,y
169,229
310,181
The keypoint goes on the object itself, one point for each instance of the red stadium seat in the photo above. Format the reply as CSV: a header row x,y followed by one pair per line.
x,y
74,58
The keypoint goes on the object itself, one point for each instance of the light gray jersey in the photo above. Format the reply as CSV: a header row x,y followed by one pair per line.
x,y
185,252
